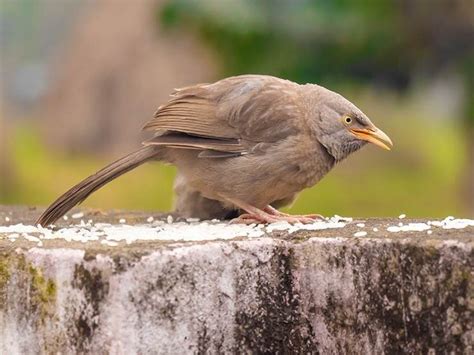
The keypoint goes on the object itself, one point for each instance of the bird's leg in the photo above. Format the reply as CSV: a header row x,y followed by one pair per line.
x,y
247,218
253,215
256,215
273,211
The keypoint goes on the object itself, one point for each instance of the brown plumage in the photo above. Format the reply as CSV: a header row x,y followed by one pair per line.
x,y
244,143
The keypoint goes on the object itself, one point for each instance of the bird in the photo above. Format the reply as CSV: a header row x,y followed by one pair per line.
x,y
243,146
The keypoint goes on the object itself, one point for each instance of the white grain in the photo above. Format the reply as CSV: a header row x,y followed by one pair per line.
x,y
410,227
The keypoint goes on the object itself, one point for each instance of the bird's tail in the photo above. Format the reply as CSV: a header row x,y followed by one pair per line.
x,y
82,190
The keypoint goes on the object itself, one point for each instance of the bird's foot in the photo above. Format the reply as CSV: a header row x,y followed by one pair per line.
x,y
248,218
272,215
273,211
269,215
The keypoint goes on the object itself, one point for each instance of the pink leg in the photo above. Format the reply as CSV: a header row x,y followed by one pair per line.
x,y
253,215
267,215
273,211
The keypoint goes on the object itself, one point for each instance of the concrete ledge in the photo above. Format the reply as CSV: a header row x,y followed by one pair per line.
x,y
309,291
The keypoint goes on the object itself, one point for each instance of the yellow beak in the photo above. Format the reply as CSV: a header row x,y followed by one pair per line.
x,y
373,135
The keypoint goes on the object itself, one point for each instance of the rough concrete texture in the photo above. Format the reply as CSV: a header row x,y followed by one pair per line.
x,y
322,291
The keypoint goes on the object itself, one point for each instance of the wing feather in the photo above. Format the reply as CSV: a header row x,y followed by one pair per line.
x,y
229,116
192,113
179,140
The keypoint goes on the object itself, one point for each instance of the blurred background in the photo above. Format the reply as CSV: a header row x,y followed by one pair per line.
x,y
79,78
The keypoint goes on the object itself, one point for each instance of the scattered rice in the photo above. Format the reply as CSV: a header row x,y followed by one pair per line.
x,y
112,234
411,227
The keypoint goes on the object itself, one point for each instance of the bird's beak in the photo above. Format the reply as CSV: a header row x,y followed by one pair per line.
x,y
373,135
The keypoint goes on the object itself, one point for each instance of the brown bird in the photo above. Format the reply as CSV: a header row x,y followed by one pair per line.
x,y
247,143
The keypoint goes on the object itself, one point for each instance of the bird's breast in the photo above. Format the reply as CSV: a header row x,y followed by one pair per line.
x,y
308,164
276,173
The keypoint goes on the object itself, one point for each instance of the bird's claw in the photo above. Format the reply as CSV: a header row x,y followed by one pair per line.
x,y
248,218
269,214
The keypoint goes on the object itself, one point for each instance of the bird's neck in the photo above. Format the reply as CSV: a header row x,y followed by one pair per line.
x,y
340,150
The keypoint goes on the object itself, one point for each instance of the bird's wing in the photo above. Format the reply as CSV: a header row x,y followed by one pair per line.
x,y
185,141
228,116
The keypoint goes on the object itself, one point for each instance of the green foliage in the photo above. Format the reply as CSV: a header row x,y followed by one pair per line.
x,y
469,83
327,41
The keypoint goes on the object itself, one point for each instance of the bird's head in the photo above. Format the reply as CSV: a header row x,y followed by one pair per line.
x,y
343,128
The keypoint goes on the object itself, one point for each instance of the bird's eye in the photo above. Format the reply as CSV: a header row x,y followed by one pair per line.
x,y
348,119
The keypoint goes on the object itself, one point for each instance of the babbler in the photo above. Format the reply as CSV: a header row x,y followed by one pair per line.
x,y
246,144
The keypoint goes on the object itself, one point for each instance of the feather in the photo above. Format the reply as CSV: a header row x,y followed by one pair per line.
x,y
253,108
184,141
82,190
213,154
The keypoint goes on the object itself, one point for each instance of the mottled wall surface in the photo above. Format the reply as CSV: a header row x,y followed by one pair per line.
x,y
315,291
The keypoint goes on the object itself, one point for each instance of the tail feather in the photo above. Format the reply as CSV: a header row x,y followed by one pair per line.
x,y
82,190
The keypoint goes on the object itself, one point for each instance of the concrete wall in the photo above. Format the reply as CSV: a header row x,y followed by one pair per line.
x,y
280,291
